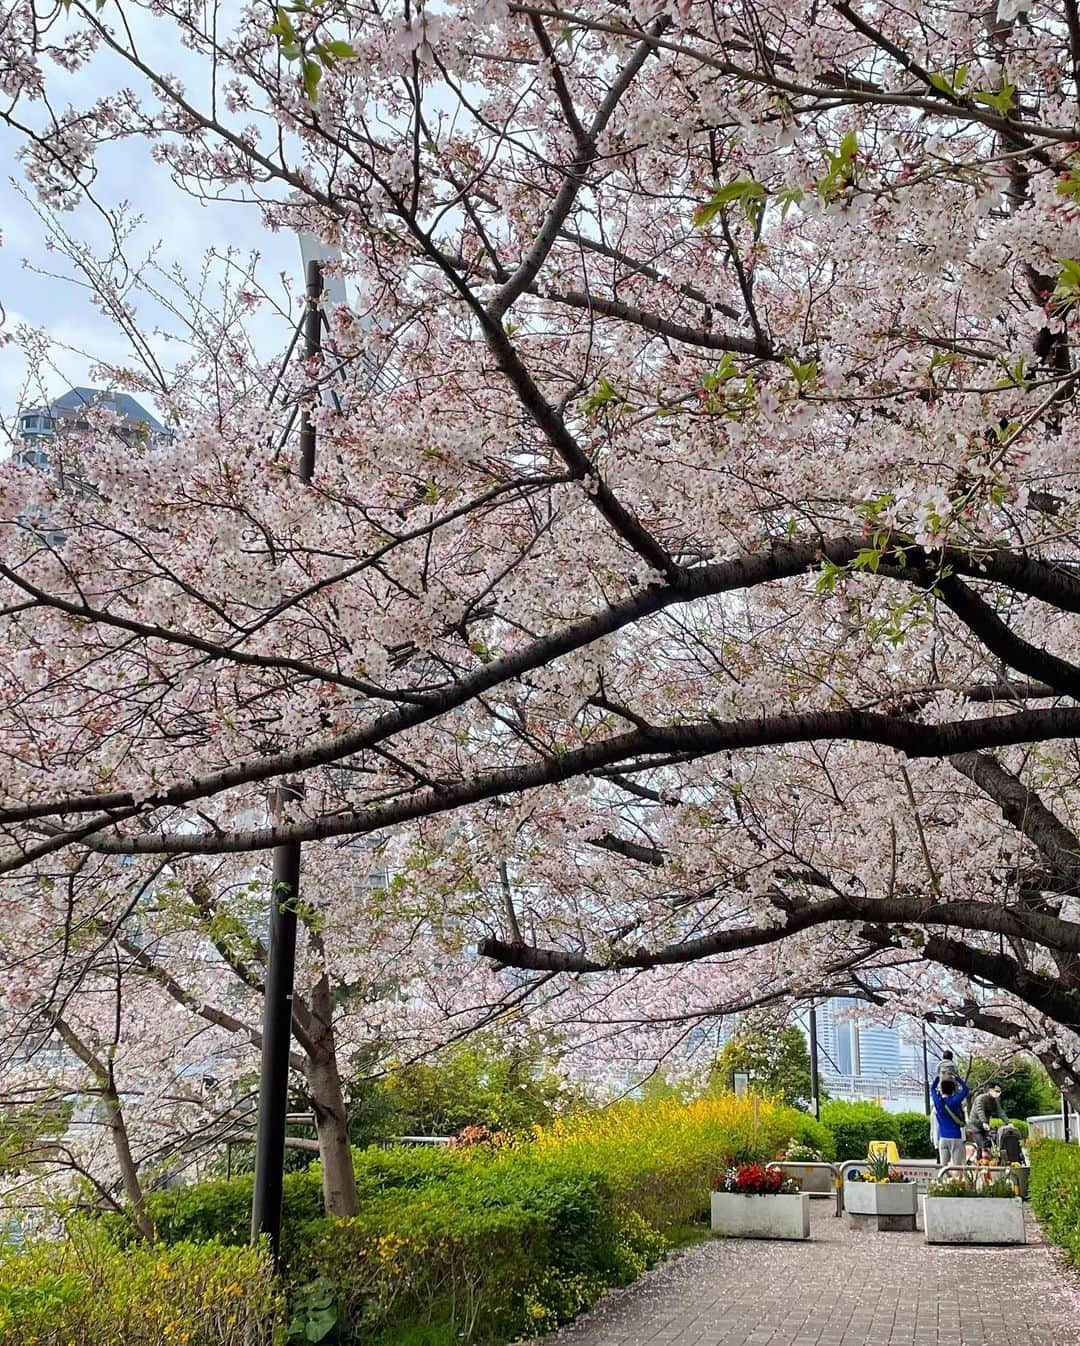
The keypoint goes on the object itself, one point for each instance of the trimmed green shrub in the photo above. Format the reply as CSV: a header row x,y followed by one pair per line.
x,y
855,1125
515,1240
1054,1189
88,1291
221,1209
914,1129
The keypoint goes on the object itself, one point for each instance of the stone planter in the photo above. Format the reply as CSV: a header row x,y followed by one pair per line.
x,y
974,1219
814,1178
888,1206
761,1217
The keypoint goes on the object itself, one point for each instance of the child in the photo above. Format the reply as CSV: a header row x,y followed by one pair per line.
x,y
946,1068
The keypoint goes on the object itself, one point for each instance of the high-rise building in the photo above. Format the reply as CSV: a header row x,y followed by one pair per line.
x,y
861,1059
39,425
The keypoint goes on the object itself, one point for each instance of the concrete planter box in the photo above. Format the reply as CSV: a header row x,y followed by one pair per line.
x,y
890,1206
814,1178
974,1219
761,1217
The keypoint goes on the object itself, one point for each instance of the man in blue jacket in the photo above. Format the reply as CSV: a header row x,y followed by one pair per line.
x,y
948,1098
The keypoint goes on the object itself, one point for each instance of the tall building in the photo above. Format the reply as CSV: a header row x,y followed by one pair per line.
x,y
859,1059
39,425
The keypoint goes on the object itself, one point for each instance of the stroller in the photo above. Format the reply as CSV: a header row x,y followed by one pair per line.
x,y
1008,1145
1004,1142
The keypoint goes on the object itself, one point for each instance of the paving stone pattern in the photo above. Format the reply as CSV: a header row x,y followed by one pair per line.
x,y
843,1287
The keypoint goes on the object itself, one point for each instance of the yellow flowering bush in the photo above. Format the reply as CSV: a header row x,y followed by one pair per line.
x,y
522,1238
86,1291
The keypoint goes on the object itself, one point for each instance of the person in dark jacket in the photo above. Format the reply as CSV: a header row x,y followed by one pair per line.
x,y
987,1105
948,1098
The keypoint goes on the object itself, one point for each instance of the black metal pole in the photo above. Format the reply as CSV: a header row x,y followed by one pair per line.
x,y
1065,1115
281,942
815,1087
925,1074
312,342
277,1041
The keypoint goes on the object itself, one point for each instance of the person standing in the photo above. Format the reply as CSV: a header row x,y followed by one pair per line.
x,y
948,1098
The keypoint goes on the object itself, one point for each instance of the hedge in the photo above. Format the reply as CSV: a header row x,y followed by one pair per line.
x,y
222,1209
521,1239
855,1125
1055,1192
914,1129
86,1290
467,1247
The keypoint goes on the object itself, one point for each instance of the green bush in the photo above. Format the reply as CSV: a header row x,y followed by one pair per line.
x,y
486,1244
1054,1189
513,1241
855,1125
914,1129
87,1291
221,1209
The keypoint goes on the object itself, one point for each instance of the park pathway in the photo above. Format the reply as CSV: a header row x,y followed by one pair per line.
x,y
841,1288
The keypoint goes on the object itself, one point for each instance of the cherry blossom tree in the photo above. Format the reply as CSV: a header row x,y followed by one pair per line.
x,y
691,599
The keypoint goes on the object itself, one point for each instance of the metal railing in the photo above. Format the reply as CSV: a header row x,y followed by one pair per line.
x,y
920,1171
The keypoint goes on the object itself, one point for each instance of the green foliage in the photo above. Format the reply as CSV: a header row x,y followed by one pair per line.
x,y
914,1129
479,1083
222,1209
480,1244
778,1063
509,1242
604,393
87,1291
314,54
971,1186
840,168
744,191
1054,1190
313,1311
1026,1088
855,1125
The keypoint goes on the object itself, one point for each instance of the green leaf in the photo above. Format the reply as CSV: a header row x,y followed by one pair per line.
x,y
726,369
312,74
604,393
282,27
336,50
805,373
841,167
745,190
1001,102
950,84
830,576
1067,289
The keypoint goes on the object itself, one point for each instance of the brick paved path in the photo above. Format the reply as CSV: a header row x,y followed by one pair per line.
x,y
841,1288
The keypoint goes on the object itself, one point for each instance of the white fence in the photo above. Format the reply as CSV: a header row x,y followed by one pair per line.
x,y
1051,1126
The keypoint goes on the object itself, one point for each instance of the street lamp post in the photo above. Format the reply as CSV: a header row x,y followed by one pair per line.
x,y
815,1087
281,942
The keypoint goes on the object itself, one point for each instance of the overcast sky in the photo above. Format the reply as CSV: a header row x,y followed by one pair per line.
x,y
126,173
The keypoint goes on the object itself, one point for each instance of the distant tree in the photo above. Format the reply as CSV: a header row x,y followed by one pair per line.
x,y
777,1062
482,1083
1026,1088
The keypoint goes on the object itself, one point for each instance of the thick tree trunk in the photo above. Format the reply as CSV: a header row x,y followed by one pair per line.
x,y
327,1097
335,1153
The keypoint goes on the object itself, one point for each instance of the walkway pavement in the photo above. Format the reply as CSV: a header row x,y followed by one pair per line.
x,y
843,1287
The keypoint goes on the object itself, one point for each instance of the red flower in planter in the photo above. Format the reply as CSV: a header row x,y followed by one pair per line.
x,y
754,1180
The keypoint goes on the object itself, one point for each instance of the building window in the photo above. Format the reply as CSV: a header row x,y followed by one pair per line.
x,y
36,458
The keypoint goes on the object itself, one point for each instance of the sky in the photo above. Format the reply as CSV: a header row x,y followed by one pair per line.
x,y
184,227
